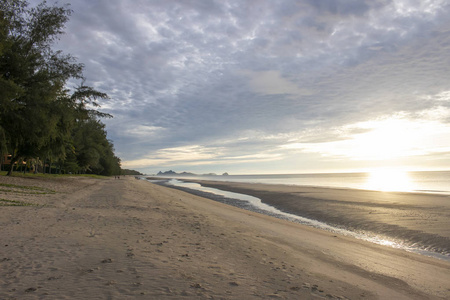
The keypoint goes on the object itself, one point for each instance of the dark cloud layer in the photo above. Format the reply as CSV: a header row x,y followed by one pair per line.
x,y
247,77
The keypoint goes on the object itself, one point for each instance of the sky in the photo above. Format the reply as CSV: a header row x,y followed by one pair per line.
x,y
253,87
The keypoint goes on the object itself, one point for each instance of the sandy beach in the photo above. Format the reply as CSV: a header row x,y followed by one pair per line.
x,y
84,238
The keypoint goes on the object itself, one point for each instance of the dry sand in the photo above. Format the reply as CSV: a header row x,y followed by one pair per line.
x,y
130,239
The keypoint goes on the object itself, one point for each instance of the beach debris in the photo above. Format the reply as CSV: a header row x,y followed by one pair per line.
x,y
196,286
130,252
91,232
306,285
107,261
31,289
110,282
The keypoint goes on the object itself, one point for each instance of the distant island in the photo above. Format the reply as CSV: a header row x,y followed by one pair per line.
x,y
186,174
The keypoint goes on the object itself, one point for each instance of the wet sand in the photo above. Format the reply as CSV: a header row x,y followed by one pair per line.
x,y
415,219
130,239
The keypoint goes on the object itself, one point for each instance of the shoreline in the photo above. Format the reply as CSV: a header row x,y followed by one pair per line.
x,y
307,186
129,238
424,182
387,218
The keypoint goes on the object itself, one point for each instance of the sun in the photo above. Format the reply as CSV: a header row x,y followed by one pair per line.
x,y
376,140
391,141
384,140
389,180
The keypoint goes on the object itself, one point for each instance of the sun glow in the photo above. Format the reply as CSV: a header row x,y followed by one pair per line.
x,y
389,141
389,180
385,139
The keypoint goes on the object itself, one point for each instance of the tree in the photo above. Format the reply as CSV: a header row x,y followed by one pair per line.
x,y
130,172
8,89
38,117
33,75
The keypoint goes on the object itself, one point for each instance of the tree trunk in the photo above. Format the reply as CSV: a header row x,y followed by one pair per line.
x,y
13,161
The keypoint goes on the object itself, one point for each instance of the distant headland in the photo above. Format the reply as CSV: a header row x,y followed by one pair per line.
x,y
187,174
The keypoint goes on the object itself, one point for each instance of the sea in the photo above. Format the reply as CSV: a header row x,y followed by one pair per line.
x,y
380,180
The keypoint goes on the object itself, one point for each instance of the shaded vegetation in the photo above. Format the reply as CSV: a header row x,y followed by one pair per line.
x,y
130,172
44,126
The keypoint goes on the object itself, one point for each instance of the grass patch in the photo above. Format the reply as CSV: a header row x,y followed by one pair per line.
x,y
40,175
5,202
14,188
37,175
93,176
26,192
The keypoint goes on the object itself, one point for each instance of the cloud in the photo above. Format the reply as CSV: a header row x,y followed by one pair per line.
x,y
271,83
382,139
209,75
176,155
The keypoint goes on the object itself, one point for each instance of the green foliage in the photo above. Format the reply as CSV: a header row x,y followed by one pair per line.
x,y
130,172
39,118
5,202
24,189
